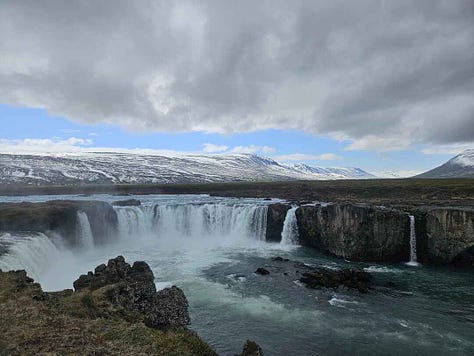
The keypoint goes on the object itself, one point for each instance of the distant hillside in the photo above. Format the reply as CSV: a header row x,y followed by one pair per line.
x,y
113,168
460,166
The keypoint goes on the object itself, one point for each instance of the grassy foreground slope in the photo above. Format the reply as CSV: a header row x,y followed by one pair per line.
x,y
376,191
83,323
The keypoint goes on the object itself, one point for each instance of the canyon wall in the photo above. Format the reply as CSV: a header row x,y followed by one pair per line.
x,y
59,217
355,232
445,235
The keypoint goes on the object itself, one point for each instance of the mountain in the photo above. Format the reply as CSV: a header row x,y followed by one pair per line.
x,y
333,172
106,168
460,166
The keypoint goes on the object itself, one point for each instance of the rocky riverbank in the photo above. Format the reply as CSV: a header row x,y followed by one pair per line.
x,y
114,310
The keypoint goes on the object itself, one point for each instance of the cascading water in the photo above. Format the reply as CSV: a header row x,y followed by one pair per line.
x,y
29,251
197,221
289,234
133,220
413,257
84,231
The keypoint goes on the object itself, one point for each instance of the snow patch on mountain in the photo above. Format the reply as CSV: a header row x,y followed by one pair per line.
x,y
113,167
465,158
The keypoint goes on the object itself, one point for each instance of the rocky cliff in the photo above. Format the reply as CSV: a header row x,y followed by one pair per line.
x,y
275,218
59,216
355,232
445,235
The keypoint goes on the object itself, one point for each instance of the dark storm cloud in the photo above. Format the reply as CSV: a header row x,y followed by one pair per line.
x,y
375,72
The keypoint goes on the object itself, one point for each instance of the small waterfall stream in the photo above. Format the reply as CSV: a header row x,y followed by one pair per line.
x,y
413,258
289,234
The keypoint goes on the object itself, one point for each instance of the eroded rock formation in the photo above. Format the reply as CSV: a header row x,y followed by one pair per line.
x,y
133,288
355,232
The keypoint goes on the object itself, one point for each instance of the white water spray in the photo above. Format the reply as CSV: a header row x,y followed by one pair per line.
x,y
84,231
32,252
290,234
413,257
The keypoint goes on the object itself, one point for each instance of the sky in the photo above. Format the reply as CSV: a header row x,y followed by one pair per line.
x,y
380,85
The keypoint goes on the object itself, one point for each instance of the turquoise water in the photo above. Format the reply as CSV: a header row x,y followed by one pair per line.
x,y
410,310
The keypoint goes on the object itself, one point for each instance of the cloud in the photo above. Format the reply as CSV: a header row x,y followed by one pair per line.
x,y
379,143
212,148
253,149
447,149
298,157
82,145
382,74
35,145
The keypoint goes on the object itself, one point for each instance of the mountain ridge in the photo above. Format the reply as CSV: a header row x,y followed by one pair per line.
x,y
460,166
136,168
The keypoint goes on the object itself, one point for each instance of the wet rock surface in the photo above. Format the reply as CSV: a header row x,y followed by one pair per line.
x,y
264,276
262,271
251,348
445,235
349,278
320,277
275,218
128,202
133,288
355,232
60,216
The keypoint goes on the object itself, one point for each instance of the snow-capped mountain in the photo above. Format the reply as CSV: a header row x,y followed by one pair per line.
x,y
460,166
332,172
103,168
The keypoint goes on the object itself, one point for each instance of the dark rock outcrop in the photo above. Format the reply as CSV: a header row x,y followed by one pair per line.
x,y
355,232
262,271
349,278
275,218
133,288
129,202
445,235
251,348
89,322
59,216
465,258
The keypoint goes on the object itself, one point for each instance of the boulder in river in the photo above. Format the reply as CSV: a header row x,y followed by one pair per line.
x,y
262,271
349,278
251,348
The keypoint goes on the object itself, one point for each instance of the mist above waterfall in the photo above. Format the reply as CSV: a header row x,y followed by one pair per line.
x,y
168,224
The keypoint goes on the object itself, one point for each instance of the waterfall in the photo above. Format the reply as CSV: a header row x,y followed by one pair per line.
x,y
84,232
135,220
32,252
197,221
289,234
413,258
